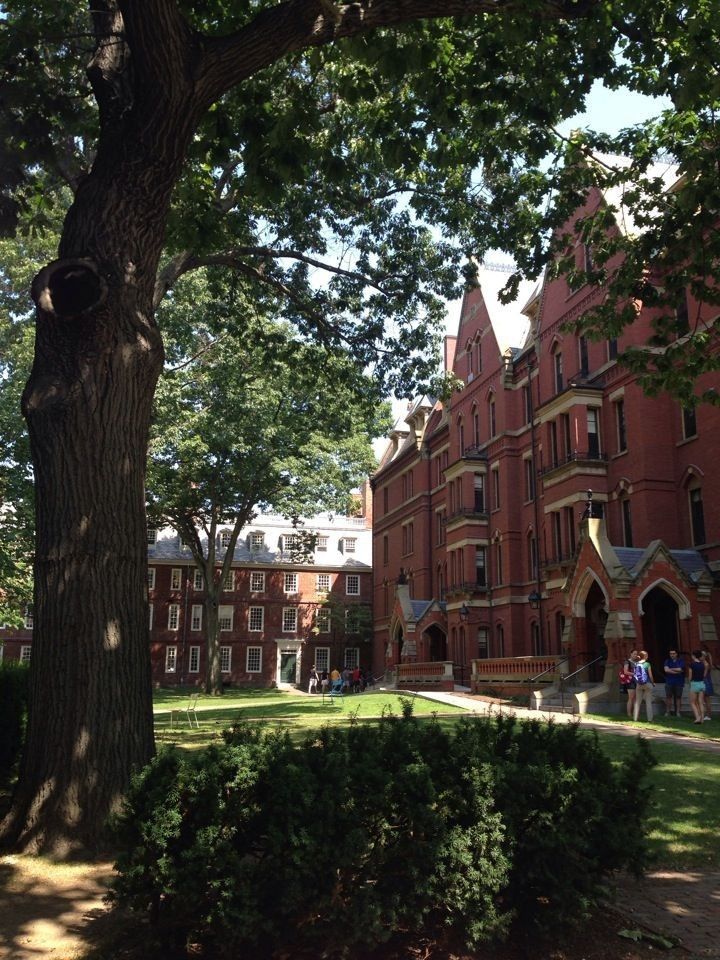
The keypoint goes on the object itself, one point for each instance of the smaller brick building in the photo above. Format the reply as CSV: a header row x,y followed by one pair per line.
x,y
279,615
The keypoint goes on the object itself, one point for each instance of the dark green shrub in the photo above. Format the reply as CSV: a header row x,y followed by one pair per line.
x,y
260,846
13,714
571,817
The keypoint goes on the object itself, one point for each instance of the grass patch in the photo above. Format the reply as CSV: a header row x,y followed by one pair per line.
x,y
297,713
684,815
683,726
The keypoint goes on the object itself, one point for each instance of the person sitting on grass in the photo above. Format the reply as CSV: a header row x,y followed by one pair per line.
x,y
674,668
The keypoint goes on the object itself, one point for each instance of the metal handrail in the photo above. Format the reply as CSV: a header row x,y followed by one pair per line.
x,y
590,663
569,676
549,670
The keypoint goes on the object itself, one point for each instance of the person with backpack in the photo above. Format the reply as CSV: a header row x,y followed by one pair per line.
x,y
645,684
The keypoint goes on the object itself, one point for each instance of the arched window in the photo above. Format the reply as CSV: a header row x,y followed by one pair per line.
x,y
697,515
492,423
475,426
461,434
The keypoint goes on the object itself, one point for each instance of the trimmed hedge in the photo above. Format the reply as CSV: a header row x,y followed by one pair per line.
x,y
14,686
260,846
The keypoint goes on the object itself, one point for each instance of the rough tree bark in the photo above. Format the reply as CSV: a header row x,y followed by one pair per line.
x,y
88,400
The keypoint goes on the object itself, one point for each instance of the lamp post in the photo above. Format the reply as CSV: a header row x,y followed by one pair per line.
x,y
464,617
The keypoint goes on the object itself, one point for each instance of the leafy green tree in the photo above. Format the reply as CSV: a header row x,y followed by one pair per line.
x,y
250,416
287,141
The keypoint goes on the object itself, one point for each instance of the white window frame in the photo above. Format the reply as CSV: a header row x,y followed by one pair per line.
x,y
349,544
291,583
198,580
225,539
25,653
257,540
173,616
322,619
351,658
256,629
228,584
225,617
319,588
225,659
194,660
321,544
176,578
256,652
171,659
354,580
289,619
259,585
322,654
196,617
29,620
151,574
151,537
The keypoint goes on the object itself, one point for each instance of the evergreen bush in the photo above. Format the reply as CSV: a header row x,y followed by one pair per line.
x,y
257,845
13,714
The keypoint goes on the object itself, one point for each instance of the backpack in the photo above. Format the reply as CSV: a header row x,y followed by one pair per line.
x,y
641,674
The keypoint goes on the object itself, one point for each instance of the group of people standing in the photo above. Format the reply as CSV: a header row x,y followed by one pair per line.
x,y
638,683
349,681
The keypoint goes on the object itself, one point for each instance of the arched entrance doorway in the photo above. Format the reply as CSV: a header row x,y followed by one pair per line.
x,y
437,643
660,628
595,620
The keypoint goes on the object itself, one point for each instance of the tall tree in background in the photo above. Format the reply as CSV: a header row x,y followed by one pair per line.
x,y
284,141
250,416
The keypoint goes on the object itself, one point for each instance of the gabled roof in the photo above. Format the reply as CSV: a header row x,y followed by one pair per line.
x,y
689,562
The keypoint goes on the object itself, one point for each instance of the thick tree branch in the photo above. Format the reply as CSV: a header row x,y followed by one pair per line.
x,y
185,262
298,24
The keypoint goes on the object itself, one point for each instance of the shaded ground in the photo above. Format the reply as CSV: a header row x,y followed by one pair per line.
x,y
48,910
76,923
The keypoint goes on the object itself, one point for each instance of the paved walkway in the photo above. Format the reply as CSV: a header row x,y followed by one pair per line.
x,y
683,906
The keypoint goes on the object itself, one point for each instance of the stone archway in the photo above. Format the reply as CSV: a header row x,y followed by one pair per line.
x,y
660,628
437,643
596,615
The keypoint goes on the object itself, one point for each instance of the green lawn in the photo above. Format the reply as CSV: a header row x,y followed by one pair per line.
x,y
678,725
297,713
684,819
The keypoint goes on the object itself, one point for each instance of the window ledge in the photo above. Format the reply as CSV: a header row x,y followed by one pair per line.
x,y
681,443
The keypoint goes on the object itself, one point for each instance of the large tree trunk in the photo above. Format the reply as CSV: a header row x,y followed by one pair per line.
x,y
88,402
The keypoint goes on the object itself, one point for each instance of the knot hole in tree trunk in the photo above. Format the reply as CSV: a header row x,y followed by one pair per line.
x,y
69,288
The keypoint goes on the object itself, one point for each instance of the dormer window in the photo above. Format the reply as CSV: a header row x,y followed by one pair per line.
x,y
257,540
225,538
289,542
151,536
349,544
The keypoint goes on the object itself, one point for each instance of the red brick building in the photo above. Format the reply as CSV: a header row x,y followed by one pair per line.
x,y
480,549
278,615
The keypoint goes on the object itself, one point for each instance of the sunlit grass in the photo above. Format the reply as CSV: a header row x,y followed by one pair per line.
x,y
683,726
297,713
684,814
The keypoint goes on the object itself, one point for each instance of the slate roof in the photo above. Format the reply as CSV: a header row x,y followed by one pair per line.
x,y
420,607
689,561
168,547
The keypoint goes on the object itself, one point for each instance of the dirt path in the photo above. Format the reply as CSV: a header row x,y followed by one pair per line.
x,y
49,910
